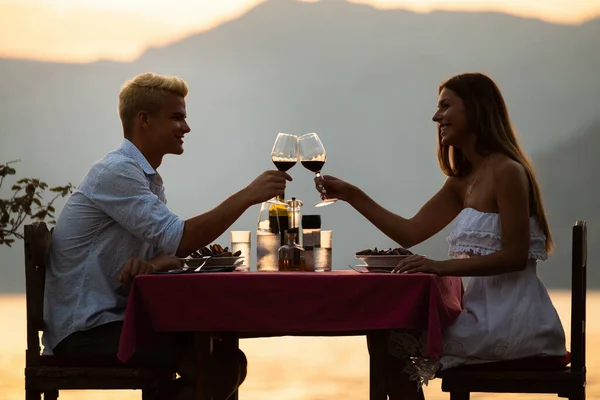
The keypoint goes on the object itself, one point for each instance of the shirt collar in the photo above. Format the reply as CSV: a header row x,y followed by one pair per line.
x,y
130,150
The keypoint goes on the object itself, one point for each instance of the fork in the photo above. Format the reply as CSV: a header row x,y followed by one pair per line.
x,y
202,265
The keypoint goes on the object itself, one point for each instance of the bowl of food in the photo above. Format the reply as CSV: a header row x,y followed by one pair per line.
x,y
384,259
213,256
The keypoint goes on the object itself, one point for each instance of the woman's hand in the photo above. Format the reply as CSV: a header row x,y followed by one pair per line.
x,y
334,188
418,264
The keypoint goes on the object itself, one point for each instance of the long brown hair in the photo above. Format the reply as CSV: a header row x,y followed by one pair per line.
x,y
487,116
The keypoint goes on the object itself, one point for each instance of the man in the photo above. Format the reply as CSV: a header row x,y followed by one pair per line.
x,y
116,225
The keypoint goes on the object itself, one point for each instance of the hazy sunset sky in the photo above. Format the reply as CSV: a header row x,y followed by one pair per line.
x,y
88,30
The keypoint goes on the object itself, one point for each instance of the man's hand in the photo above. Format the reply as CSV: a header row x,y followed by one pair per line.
x,y
134,267
415,264
266,186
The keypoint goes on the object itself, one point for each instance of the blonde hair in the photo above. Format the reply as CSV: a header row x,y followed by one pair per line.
x,y
488,117
147,92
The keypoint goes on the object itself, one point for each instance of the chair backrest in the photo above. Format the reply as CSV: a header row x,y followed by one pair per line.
x,y
578,296
37,244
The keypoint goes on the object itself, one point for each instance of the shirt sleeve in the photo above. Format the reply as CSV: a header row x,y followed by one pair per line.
x,y
121,190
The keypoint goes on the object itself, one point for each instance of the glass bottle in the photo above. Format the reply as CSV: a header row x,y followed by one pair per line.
x,y
278,219
294,217
291,255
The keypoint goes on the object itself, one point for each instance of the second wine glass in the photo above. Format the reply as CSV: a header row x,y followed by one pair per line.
x,y
284,155
313,157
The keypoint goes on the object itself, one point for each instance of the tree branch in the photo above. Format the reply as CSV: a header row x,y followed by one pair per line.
x,y
21,206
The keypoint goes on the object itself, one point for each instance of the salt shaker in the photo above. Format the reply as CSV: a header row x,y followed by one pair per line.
x,y
310,225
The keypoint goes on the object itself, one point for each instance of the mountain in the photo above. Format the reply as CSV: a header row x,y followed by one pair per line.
x,y
364,79
568,176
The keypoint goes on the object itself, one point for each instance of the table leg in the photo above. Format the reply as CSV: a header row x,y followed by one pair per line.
x,y
233,341
203,347
378,352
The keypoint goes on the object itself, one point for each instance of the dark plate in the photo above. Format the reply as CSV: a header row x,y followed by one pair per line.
x,y
211,261
205,269
369,269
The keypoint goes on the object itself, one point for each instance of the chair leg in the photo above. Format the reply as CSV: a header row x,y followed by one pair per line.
x,y
579,396
51,395
149,394
33,395
460,395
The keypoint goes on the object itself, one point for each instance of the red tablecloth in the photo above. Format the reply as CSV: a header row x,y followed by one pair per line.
x,y
286,303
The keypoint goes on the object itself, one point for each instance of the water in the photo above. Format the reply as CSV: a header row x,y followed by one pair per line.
x,y
267,245
323,258
244,265
323,250
290,368
308,242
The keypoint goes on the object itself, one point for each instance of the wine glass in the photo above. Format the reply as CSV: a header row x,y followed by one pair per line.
x,y
284,155
313,157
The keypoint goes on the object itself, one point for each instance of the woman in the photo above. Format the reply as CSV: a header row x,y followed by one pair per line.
x,y
500,232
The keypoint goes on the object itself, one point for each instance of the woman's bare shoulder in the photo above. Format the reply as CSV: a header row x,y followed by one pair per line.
x,y
505,167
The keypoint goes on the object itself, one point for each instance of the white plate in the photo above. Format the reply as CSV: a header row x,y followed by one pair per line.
x,y
211,261
382,261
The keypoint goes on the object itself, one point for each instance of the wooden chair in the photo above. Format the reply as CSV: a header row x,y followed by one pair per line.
x,y
563,381
48,374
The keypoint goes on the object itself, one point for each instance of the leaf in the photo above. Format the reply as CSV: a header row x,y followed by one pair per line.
x,y
39,215
63,190
26,202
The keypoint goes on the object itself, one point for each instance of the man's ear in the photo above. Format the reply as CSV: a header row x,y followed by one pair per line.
x,y
142,119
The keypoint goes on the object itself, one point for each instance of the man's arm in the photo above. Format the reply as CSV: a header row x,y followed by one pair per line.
x,y
137,266
122,192
124,195
202,229
199,231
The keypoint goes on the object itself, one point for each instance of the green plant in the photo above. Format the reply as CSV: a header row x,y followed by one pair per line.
x,y
25,202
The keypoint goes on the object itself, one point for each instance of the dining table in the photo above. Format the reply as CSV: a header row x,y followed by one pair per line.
x,y
267,304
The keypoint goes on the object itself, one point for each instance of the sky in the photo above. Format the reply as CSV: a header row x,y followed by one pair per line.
x,y
89,30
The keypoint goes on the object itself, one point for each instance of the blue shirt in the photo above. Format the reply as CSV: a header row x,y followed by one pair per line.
x,y
118,211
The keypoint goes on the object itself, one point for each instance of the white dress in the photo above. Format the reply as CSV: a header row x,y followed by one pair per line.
x,y
506,316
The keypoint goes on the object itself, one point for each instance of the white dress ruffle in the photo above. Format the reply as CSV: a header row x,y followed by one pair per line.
x,y
507,316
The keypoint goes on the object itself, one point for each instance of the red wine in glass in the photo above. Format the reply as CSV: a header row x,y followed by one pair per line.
x,y
284,155
284,165
313,157
314,166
